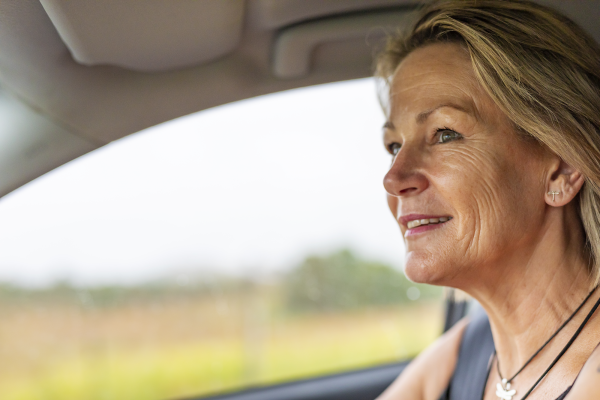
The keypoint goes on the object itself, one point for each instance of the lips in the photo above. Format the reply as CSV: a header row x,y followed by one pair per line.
x,y
415,220
427,221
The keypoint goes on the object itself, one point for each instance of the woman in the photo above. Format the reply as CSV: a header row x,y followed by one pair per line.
x,y
494,128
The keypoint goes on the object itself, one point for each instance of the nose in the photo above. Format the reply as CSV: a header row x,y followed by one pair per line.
x,y
405,177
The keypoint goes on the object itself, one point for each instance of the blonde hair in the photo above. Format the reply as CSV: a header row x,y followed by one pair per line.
x,y
539,67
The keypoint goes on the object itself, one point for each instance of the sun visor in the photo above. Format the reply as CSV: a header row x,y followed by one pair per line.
x,y
149,35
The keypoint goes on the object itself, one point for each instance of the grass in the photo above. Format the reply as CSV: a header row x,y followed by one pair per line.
x,y
184,347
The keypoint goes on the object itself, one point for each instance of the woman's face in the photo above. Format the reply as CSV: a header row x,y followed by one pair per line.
x,y
456,156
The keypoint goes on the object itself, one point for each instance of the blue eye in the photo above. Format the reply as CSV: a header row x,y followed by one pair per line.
x,y
393,148
448,135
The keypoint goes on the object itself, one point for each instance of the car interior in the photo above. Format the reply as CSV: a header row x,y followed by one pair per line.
x,y
76,75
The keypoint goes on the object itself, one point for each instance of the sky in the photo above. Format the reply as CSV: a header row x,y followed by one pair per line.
x,y
246,188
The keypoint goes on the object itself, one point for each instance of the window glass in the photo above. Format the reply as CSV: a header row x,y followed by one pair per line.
x,y
244,245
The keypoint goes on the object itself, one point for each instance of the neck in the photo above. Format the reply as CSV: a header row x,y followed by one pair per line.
x,y
536,289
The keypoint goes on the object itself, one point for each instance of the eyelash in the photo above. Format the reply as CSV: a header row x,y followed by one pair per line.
x,y
390,148
438,132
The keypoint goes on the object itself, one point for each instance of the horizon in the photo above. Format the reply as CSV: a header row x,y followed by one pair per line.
x,y
249,187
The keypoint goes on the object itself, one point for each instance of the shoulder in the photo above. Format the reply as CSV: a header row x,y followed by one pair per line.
x,y
587,386
429,374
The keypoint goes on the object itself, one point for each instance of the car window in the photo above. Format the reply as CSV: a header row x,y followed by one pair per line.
x,y
244,245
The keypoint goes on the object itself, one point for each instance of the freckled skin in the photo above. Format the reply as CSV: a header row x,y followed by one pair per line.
x,y
477,179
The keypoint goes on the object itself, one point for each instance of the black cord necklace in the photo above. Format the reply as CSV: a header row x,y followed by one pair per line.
x,y
503,389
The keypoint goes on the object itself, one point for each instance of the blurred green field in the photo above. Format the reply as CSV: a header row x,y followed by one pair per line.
x,y
183,341
158,367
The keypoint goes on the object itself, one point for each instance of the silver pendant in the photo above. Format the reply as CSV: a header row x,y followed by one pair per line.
x,y
503,391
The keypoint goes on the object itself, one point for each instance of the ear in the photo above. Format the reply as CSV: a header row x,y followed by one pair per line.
x,y
565,180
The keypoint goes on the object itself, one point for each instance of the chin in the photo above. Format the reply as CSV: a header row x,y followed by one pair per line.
x,y
425,268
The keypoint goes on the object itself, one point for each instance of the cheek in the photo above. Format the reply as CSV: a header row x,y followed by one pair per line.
x,y
460,186
492,192
494,197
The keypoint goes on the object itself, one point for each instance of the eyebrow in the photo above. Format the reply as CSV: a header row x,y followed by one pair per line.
x,y
422,117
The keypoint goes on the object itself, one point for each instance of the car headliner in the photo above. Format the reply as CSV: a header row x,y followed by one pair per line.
x,y
82,73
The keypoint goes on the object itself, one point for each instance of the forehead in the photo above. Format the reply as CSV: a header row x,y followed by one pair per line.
x,y
435,74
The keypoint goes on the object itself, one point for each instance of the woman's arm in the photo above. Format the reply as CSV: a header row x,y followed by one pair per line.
x,y
429,374
587,386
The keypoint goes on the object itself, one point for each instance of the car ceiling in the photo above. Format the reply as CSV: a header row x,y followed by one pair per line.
x,y
78,74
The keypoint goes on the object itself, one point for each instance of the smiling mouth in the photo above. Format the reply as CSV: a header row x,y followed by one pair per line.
x,y
427,221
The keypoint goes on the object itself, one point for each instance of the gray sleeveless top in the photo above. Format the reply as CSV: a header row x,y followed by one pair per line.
x,y
474,356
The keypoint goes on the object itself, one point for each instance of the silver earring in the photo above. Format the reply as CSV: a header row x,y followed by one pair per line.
x,y
553,193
